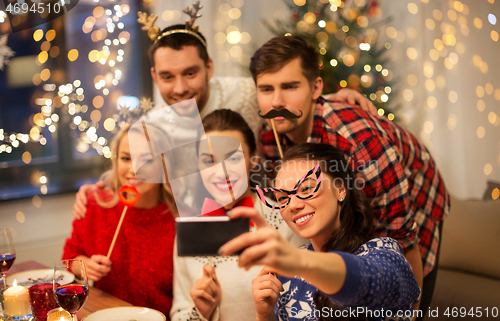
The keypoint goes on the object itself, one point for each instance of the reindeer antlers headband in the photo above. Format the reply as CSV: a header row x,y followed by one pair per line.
x,y
155,34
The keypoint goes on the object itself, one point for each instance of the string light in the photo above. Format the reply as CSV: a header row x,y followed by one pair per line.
x,y
228,33
68,97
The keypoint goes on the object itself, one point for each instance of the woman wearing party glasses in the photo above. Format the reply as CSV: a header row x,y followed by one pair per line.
x,y
216,289
345,272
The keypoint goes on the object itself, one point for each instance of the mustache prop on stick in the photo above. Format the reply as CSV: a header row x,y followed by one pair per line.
x,y
273,113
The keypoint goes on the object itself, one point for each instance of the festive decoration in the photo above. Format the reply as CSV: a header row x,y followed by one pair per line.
x,y
127,116
155,34
5,51
347,42
193,13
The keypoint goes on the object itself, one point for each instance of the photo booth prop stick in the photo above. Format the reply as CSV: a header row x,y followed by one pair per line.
x,y
277,138
261,206
283,113
227,179
146,134
127,203
232,195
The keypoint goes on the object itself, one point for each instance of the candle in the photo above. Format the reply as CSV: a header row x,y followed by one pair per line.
x,y
58,314
16,300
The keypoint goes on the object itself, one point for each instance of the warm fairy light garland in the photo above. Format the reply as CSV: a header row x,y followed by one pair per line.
x,y
233,37
68,97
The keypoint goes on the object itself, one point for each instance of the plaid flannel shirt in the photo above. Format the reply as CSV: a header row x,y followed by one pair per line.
x,y
407,192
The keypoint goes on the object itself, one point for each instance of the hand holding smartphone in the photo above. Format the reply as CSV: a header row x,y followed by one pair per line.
x,y
203,236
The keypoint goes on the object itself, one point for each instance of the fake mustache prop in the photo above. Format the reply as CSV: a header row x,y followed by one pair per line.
x,y
280,113
285,113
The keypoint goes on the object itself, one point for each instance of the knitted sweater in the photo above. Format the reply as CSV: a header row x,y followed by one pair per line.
x,y
379,279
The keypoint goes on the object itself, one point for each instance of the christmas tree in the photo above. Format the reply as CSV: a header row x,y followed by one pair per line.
x,y
346,37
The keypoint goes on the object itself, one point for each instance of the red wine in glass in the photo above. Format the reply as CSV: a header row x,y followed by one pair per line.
x,y
6,261
71,297
7,254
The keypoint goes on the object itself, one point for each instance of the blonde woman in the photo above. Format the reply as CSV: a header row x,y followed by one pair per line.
x,y
139,270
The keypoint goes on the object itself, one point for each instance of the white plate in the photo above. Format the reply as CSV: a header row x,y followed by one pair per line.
x,y
28,278
126,314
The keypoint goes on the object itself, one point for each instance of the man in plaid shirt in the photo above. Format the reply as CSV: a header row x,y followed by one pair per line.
x,y
398,173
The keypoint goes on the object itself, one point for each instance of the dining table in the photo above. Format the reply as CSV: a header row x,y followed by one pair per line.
x,y
97,299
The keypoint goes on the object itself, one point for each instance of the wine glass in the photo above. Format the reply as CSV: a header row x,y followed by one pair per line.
x,y
71,297
7,253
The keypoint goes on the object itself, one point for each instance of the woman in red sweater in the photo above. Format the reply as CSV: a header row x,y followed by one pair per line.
x,y
139,270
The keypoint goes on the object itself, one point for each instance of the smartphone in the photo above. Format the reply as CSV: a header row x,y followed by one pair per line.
x,y
203,236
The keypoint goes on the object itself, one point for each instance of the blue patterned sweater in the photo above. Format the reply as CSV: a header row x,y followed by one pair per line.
x,y
379,285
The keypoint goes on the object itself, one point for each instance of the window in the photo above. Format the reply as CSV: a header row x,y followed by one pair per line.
x,y
59,94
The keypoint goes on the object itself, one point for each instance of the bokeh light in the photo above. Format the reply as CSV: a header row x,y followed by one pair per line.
x,y
488,169
412,8
480,132
38,35
73,55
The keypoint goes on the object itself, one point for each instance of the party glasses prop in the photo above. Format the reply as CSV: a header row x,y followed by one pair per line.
x,y
305,188
42,300
71,297
7,253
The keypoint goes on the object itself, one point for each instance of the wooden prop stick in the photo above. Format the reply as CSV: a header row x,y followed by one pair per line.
x,y
164,167
144,127
225,173
262,212
116,232
276,138
261,206
146,133
128,203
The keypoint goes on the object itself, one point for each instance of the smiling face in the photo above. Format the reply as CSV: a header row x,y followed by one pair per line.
x,y
288,88
314,218
236,162
182,75
150,192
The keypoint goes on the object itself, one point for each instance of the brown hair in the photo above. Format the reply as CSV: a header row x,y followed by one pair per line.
x,y
226,119
356,214
279,51
177,41
111,177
